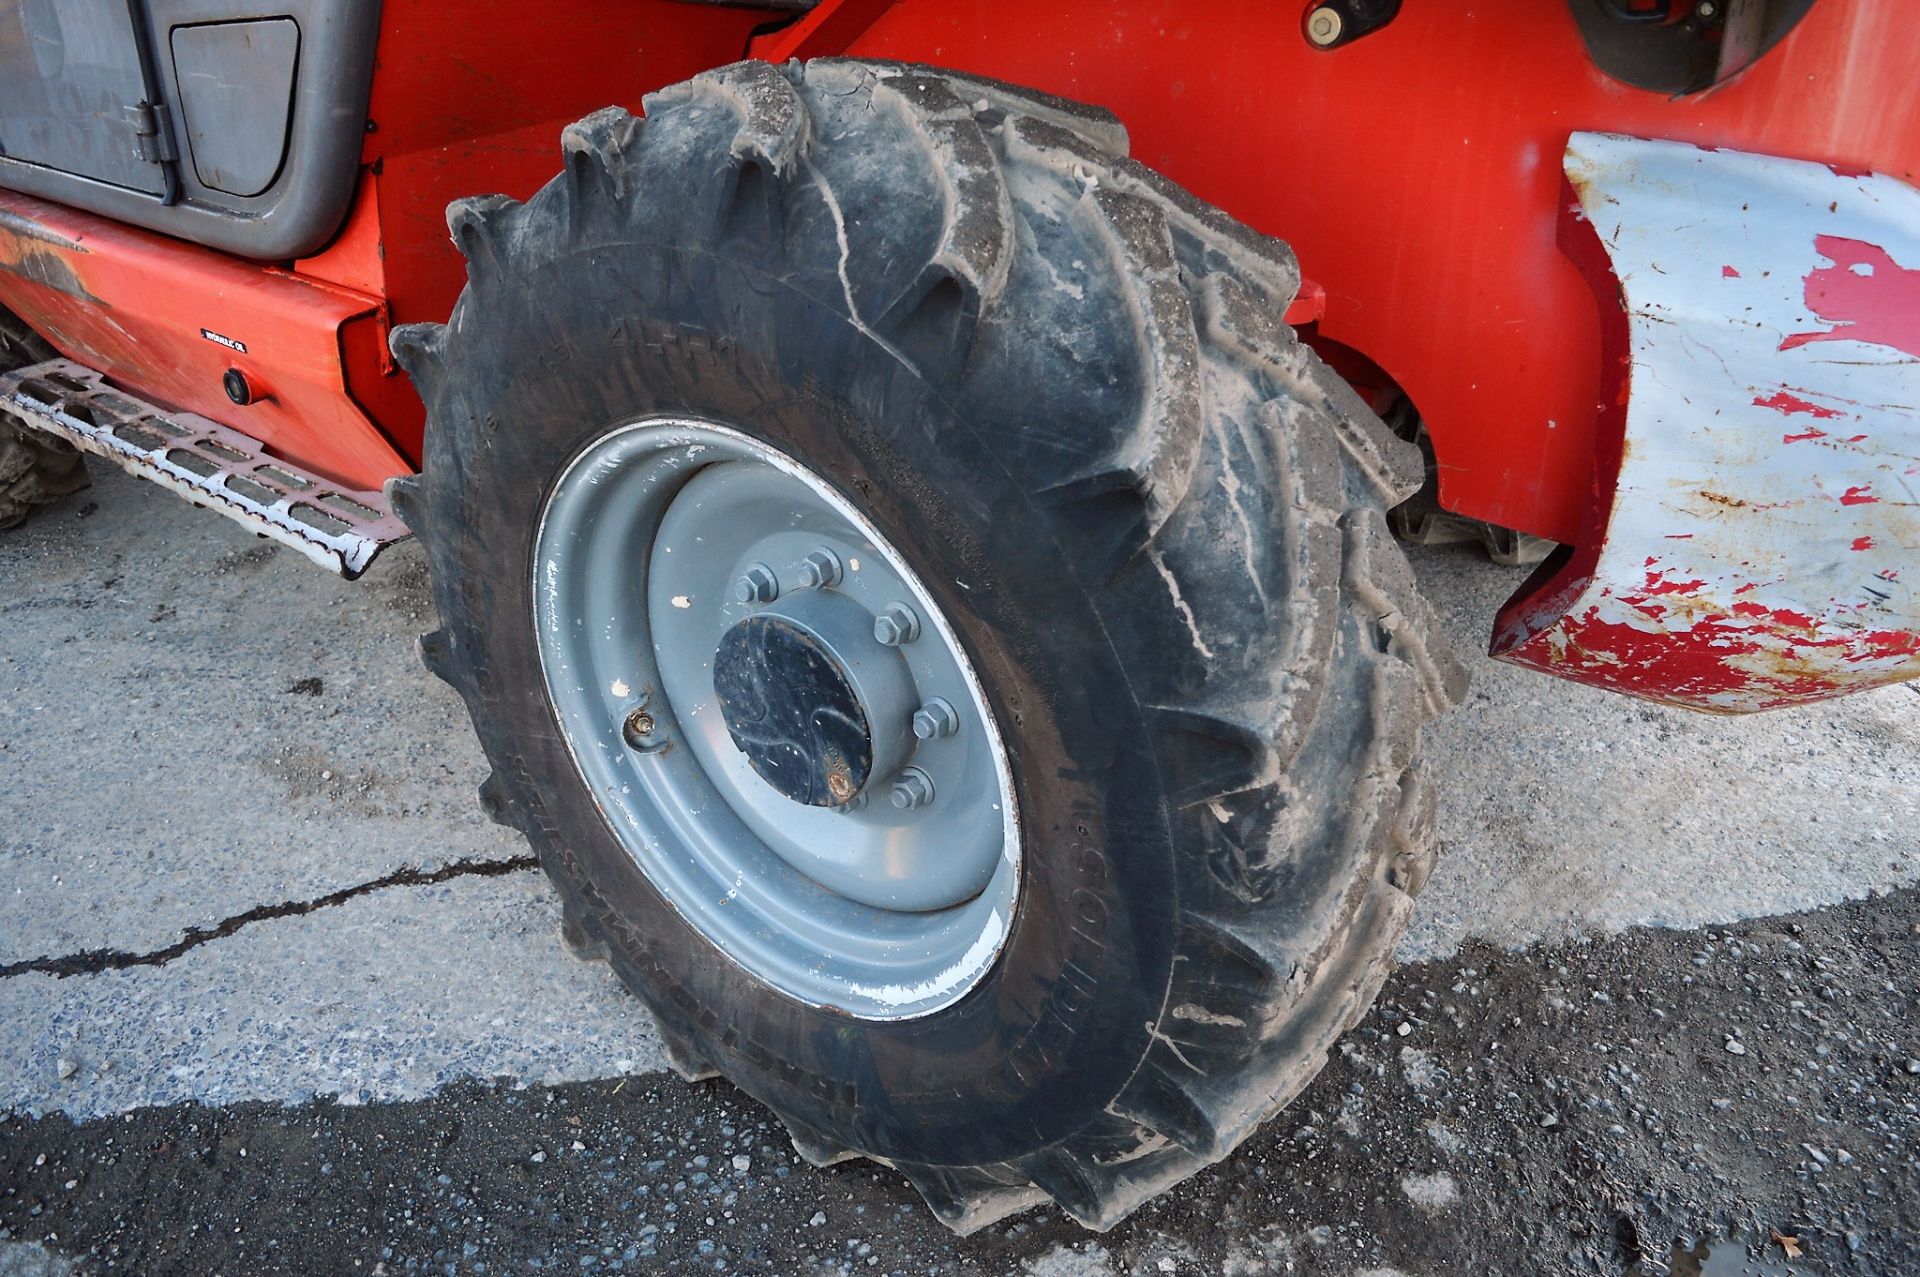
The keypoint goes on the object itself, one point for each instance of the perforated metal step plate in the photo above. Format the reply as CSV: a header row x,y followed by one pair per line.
x,y
211,465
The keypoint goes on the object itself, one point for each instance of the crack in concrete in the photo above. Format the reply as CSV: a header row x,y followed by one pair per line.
x,y
94,961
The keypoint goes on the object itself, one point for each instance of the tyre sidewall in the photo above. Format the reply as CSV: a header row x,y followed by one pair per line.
x,y
1054,1030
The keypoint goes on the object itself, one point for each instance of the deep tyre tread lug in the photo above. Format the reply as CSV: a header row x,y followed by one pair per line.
x,y
684,1058
581,937
494,801
481,225
1415,845
947,1194
1158,1100
35,469
421,349
1212,755
17,454
774,125
815,1149
1379,577
1156,458
435,650
773,129
1070,1185
1103,516
993,100
968,266
937,1188
967,1199
404,498
595,161
752,206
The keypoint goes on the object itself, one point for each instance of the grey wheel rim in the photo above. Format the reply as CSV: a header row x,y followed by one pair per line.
x,y
776,719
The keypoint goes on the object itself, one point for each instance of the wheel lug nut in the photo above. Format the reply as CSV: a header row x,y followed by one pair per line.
x,y
822,570
912,788
896,625
935,718
757,585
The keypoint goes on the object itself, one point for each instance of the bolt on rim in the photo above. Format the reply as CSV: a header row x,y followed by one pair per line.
x,y
775,718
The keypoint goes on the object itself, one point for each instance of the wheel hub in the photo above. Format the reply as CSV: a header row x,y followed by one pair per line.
x,y
775,718
818,705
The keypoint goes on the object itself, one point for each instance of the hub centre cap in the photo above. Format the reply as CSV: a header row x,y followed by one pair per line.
x,y
816,703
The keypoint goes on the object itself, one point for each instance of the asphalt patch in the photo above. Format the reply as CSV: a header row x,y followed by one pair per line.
x,y
1610,1106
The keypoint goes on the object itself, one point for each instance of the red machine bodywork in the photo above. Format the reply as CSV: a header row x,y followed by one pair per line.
x,y
467,99
1416,172
168,319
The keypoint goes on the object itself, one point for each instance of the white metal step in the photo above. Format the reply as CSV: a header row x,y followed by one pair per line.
x,y
337,527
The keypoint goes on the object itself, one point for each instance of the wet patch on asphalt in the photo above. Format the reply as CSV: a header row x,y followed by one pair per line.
x,y
1606,1106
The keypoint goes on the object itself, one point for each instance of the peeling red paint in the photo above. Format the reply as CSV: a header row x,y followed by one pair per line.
x,y
1752,656
1866,296
1695,665
1651,664
1766,607
1787,403
1707,647
1881,644
1657,583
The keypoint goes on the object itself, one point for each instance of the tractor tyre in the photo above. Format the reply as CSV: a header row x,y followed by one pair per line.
x,y
35,469
937,626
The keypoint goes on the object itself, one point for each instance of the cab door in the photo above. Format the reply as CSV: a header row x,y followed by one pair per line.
x,y
73,92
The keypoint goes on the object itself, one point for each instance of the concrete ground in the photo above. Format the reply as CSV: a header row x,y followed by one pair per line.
x,y
250,913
